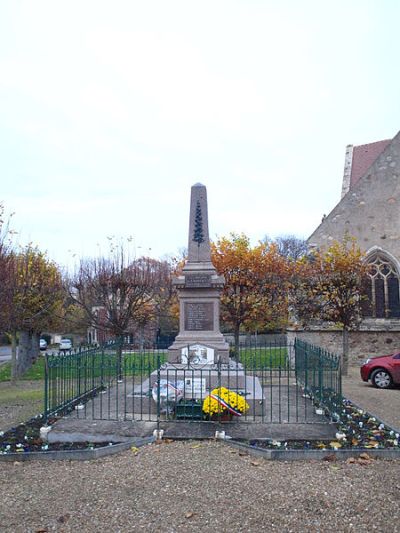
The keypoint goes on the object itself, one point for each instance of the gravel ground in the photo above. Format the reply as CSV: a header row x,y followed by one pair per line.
x,y
191,486
204,486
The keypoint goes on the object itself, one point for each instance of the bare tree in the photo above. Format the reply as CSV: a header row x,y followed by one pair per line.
x,y
128,291
291,247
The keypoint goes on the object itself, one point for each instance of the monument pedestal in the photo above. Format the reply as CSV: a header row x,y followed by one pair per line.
x,y
199,296
200,340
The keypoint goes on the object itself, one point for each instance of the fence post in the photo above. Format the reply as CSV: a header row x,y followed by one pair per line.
x,y
102,368
158,392
339,376
46,392
78,363
320,375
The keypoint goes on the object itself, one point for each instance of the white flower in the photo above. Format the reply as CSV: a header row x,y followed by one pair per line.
x,y
341,436
360,424
381,426
276,443
1,433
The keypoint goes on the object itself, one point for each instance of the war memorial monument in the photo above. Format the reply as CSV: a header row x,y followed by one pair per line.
x,y
198,360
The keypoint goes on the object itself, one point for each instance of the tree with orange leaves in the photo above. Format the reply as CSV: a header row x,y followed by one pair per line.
x,y
329,288
255,291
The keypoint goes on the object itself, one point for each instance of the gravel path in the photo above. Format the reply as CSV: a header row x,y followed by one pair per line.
x,y
191,486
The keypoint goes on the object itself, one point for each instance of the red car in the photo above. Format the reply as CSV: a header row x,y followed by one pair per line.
x,y
383,371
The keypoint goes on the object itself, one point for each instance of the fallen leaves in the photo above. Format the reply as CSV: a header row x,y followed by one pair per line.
x,y
363,459
329,458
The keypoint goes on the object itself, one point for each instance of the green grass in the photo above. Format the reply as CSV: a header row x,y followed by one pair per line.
x,y
20,402
34,373
258,358
135,363
9,396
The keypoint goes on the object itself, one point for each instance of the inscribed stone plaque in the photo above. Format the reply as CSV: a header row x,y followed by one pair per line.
x,y
199,316
197,280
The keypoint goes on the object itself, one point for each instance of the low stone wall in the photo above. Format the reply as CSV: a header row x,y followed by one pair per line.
x,y
257,340
362,344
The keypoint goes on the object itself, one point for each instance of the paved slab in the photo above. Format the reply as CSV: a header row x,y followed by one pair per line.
x,y
75,430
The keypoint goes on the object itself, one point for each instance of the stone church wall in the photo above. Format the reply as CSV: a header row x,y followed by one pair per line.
x,y
362,343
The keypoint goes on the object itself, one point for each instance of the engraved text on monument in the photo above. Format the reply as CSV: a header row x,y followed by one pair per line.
x,y
199,316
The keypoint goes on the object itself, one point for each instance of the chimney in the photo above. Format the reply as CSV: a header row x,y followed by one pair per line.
x,y
348,161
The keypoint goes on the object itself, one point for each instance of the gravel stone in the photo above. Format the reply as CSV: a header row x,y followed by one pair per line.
x,y
192,486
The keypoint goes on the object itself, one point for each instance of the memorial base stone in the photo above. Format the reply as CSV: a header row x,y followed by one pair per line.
x,y
198,383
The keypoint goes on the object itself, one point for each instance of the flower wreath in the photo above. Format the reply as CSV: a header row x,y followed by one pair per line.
x,y
222,399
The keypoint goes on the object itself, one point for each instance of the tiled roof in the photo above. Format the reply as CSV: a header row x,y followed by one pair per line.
x,y
363,157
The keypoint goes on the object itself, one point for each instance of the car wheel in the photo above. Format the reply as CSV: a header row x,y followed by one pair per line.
x,y
381,379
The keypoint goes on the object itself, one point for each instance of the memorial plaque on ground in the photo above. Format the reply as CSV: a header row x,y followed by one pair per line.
x,y
195,387
197,281
199,316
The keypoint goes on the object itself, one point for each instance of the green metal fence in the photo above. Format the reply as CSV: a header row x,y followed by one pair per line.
x,y
319,372
280,382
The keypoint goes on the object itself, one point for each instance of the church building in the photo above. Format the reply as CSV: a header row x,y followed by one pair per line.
x,y
369,210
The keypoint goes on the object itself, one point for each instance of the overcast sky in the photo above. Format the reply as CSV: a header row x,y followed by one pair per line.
x,y
110,111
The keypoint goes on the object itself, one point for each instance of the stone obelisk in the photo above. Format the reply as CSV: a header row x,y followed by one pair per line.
x,y
200,340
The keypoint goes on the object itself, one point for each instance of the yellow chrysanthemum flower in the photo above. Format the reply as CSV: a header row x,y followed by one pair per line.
x,y
214,403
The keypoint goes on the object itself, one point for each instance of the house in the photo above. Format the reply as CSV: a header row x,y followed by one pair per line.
x,y
369,210
141,334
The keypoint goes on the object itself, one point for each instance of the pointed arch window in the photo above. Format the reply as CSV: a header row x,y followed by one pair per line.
x,y
381,288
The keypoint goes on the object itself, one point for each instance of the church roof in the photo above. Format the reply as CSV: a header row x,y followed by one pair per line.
x,y
369,211
363,157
